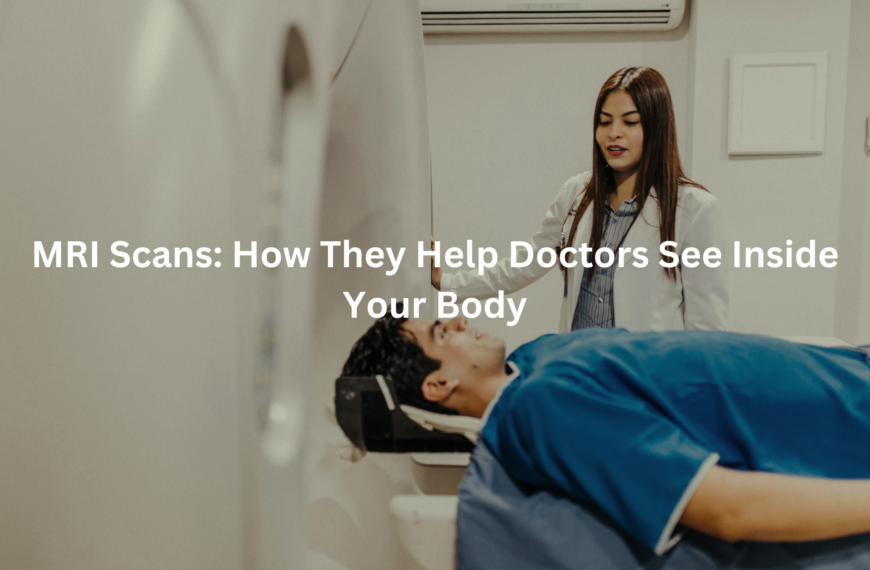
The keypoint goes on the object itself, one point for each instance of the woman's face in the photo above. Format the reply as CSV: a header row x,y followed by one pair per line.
x,y
619,134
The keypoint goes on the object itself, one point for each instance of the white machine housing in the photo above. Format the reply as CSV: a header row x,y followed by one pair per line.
x,y
476,16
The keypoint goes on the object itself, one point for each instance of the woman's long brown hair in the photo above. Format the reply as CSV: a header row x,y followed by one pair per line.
x,y
660,165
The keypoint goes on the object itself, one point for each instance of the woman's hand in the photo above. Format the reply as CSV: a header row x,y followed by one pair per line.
x,y
436,271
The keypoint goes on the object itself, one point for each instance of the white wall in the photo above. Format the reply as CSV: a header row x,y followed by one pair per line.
x,y
510,119
769,199
852,322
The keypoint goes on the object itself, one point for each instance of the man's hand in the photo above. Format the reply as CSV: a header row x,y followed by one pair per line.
x,y
436,271
769,507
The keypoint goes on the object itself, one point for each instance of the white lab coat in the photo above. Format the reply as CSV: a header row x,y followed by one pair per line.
x,y
644,299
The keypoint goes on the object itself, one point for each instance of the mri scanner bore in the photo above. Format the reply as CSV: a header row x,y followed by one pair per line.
x,y
161,415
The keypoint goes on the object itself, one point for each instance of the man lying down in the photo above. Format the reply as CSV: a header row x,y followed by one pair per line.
x,y
740,437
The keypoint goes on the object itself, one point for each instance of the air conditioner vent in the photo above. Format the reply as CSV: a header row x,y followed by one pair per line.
x,y
440,16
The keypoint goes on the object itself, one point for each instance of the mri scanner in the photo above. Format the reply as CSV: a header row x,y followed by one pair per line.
x,y
169,417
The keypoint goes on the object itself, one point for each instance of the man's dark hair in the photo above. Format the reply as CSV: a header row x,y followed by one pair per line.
x,y
388,349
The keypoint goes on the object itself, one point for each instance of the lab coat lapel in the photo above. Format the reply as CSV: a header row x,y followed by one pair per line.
x,y
584,230
644,232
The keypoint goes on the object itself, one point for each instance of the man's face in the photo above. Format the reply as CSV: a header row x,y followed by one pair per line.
x,y
464,352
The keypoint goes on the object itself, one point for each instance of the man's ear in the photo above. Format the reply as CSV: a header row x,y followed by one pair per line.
x,y
438,389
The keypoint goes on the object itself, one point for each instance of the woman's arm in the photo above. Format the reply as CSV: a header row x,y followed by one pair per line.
x,y
705,289
740,505
503,276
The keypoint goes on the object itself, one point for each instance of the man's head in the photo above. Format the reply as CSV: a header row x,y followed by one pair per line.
x,y
439,366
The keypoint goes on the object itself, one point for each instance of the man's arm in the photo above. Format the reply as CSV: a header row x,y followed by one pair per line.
x,y
740,505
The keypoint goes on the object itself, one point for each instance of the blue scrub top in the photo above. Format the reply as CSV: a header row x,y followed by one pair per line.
x,y
627,420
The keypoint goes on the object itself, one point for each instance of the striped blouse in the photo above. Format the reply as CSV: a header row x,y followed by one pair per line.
x,y
595,303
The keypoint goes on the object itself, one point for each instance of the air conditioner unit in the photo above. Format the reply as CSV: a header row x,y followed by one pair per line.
x,y
464,16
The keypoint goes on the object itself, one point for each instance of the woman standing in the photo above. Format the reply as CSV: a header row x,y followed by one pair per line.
x,y
635,196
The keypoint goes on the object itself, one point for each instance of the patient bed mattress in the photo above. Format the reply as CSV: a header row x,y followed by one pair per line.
x,y
506,525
